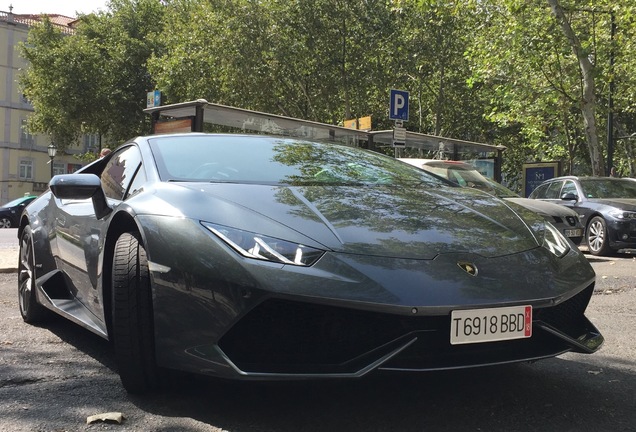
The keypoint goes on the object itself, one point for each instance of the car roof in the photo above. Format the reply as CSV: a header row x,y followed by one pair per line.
x,y
438,163
589,178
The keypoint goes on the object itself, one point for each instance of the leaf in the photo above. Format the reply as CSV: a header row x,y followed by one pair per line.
x,y
110,417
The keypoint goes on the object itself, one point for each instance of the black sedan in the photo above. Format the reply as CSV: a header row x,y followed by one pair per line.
x,y
606,205
260,257
11,211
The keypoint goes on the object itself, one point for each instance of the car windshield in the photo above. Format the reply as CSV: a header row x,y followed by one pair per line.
x,y
470,178
16,202
608,188
273,160
501,191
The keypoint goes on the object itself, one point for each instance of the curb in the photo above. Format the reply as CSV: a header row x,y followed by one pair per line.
x,y
9,270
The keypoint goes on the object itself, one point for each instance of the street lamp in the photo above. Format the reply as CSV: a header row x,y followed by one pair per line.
x,y
52,149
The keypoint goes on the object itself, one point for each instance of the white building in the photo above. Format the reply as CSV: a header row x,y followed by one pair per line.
x,y
25,165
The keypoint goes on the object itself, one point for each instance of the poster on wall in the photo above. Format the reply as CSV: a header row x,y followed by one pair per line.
x,y
174,126
536,173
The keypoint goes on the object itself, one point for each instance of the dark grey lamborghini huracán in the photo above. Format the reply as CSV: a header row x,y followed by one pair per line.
x,y
258,257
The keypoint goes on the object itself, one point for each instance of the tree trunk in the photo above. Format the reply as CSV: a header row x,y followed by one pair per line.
x,y
588,102
629,151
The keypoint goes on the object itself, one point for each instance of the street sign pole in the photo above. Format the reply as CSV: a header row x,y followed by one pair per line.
x,y
399,112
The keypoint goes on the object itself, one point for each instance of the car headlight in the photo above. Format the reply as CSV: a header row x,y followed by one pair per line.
x,y
257,246
624,215
554,241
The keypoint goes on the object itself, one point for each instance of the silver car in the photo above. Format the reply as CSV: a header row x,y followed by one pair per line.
x,y
464,174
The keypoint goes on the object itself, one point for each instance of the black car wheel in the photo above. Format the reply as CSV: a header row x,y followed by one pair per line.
x,y
597,237
5,222
30,309
132,322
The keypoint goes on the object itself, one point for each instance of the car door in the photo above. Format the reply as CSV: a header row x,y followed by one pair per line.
x,y
80,234
571,188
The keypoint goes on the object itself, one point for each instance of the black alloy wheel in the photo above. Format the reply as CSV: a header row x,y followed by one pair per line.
x,y
597,237
132,316
30,309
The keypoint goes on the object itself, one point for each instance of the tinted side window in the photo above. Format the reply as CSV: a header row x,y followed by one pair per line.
x,y
554,190
120,171
569,187
539,192
138,183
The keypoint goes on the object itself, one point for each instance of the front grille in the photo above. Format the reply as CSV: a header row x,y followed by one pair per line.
x,y
569,220
281,336
295,337
566,316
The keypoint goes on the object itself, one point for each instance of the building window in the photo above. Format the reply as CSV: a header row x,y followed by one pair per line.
x,y
59,168
26,139
26,170
91,141
71,168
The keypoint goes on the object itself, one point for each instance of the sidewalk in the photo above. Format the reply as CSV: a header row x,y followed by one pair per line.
x,y
9,260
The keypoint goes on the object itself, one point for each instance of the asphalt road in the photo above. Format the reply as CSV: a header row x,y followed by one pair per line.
x,y
53,377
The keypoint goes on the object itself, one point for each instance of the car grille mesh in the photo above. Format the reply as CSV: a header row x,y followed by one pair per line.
x,y
281,336
569,220
567,315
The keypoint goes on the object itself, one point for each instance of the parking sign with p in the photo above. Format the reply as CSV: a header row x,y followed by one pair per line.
x,y
399,105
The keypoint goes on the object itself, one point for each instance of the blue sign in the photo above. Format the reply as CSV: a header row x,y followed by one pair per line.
x,y
536,173
399,106
153,99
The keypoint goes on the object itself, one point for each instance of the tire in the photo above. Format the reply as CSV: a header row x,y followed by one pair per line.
x,y
597,237
5,222
31,311
132,317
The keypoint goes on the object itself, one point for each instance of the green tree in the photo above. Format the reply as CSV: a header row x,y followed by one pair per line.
x,y
531,75
433,39
96,79
588,95
547,67
55,82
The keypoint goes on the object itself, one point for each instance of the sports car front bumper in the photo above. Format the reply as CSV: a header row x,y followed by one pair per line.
x,y
221,314
289,339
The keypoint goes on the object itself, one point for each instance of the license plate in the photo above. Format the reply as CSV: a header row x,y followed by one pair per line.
x,y
490,325
574,232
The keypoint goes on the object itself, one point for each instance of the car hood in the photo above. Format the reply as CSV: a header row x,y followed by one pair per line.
x,y
377,221
628,204
543,208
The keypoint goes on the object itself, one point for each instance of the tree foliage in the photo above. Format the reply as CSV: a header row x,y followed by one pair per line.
x,y
533,75
94,81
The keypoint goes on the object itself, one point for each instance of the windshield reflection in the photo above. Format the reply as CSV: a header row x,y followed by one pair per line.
x,y
278,161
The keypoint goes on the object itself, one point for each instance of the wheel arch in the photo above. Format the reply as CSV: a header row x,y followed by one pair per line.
x,y
24,221
589,220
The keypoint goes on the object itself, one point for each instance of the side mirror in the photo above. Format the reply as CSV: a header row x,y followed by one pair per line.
x,y
81,186
569,197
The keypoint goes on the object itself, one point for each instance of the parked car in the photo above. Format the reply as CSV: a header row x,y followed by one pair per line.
x,y
261,257
465,174
11,211
606,205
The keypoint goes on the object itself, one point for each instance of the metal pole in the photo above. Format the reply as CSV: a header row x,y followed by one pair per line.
x,y
52,167
610,100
